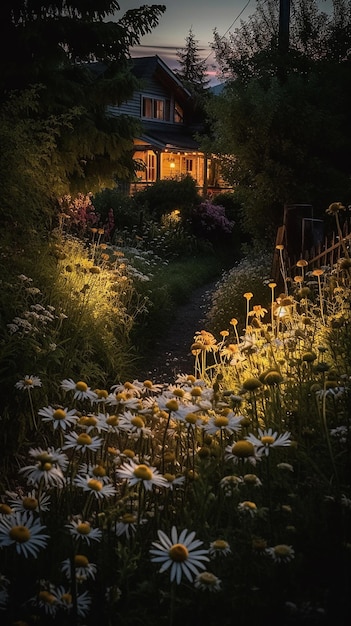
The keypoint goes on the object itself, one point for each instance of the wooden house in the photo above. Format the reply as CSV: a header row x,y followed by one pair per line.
x,y
167,147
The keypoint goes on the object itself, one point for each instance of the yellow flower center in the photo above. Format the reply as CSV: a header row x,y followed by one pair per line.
x,y
179,393
81,386
46,467
86,420
99,471
267,440
191,418
28,382
84,528
21,534
169,477
137,421
220,544
148,384
66,598
143,472
94,484
243,449
169,457
5,509
172,405
102,394
221,421
59,414
112,420
250,479
84,440
128,518
46,596
81,561
196,391
44,457
249,505
178,552
129,453
282,550
30,503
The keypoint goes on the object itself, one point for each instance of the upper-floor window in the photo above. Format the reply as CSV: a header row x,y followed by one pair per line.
x,y
160,109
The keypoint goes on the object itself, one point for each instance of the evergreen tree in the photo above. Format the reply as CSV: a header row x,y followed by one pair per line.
x,y
289,139
193,70
78,53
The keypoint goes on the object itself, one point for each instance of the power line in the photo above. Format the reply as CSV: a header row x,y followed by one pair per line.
x,y
231,26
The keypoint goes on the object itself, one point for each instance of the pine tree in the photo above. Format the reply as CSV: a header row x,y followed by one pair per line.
x,y
193,70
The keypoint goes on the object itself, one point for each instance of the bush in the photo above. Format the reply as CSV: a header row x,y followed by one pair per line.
x,y
165,196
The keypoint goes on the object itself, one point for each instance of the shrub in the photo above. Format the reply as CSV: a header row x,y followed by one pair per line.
x,y
164,196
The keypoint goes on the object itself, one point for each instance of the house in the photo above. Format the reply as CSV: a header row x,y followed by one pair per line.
x,y
167,147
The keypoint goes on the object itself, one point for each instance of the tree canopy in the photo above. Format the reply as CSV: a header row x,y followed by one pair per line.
x,y
76,55
193,69
287,136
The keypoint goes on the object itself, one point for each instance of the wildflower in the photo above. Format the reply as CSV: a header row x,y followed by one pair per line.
x,y
134,423
251,384
335,207
24,532
241,450
82,567
252,480
180,553
229,423
230,484
285,466
47,600
83,601
127,525
95,486
46,471
28,382
81,389
219,548
248,507
31,502
140,473
281,553
268,439
173,481
60,418
206,581
82,442
80,530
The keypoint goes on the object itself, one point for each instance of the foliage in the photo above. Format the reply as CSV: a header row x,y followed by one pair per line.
x,y
165,196
193,69
248,460
127,213
80,57
210,219
246,276
284,138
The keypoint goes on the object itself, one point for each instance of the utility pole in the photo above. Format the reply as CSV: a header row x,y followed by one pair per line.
x,y
284,22
283,38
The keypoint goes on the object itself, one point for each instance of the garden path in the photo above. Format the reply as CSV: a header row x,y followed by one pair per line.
x,y
171,354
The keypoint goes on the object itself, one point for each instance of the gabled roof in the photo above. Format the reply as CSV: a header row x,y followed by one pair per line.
x,y
148,67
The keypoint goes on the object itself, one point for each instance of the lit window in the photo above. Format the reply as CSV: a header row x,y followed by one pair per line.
x,y
151,167
178,113
189,165
156,108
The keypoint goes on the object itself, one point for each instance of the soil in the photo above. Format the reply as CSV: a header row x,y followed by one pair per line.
x,y
171,354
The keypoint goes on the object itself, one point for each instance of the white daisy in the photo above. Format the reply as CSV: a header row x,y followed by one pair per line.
x,y
127,525
241,450
179,553
134,424
173,481
47,600
247,506
81,390
30,502
136,473
83,531
82,567
95,486
24,532
83,601
229,423
281,553
268,439
219,548
45,472
50,455
94,471
206,581
82,442
28,382
60,418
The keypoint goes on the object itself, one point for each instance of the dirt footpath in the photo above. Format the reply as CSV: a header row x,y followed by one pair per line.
x,y
171,354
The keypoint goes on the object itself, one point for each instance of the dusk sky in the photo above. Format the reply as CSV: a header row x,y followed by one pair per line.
x,y
203,16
